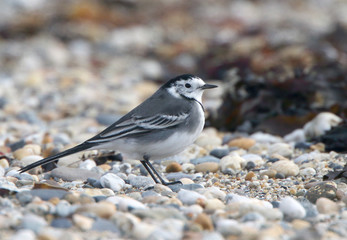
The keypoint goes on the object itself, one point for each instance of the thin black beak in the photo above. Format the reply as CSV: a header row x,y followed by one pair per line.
x,y
208,86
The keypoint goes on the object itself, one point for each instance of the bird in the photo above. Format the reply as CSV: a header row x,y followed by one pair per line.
x,y
161,126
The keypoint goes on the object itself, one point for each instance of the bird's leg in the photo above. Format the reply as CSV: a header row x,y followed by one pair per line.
x,y
146,159
144,163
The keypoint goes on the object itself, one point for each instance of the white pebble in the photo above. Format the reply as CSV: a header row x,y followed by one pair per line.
x,y
112,181
189,197
87,164
292,208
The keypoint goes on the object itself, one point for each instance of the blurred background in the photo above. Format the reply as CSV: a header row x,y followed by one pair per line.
x,y
278,63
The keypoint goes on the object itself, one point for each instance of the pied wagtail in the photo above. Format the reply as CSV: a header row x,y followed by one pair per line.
x,y
163,125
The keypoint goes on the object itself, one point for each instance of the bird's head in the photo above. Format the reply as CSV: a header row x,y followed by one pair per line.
x,y
187,86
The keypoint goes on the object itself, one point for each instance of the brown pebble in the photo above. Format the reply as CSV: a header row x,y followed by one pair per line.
x,y
105,167
249,176
54,200
102,209
207,167
326,206
47,138
204,221
245,143
270,173
173,167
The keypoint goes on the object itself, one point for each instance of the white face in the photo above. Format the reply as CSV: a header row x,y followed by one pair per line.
x,y
190,88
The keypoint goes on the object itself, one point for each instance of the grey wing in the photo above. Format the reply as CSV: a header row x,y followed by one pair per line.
x,y
138,125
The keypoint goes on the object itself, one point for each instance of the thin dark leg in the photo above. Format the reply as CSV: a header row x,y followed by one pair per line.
x,y
144,163
146,159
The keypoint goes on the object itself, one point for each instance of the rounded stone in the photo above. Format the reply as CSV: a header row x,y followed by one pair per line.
x,y
204,221
112,181
250,175
291,208
231,161
82,222
323,189
103,209
282,149
207,167
173,167
286,167
326,206
244,143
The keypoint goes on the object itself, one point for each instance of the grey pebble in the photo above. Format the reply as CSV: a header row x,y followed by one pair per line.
x,y
94,182
219,152
178,175
141,181
280,176
311,209
104,225
250,165
192,187
112,181
24,197
252,217
46,194
33,222
61,223
204,159
73,174
158,213
63,208
149,193
125,168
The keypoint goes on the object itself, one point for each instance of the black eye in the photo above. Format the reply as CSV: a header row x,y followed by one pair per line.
x,y
187,85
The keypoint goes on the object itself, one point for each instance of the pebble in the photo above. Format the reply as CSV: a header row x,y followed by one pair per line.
x,y
189,197
207,167
33,222
286,167
87,164
323,189
188,167
219,152
211,205
244,143
141,181
112,181
29,159
282,149
204,221
103,225
82,222
205,159
26,234
229,227
231,161
63,209
61,223
125,203
103,209
307,172
173,167
291,208
27,150
73,174
4,164
250,175
326,206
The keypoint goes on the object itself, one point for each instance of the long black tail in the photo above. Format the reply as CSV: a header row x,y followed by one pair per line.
x,y
78,148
